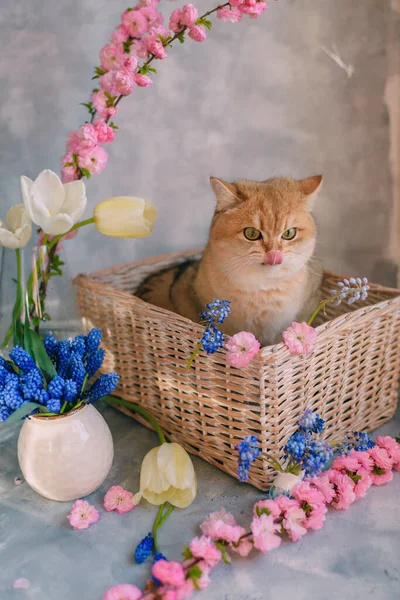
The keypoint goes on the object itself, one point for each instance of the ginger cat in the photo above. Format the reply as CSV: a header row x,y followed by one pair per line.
x,y
258,256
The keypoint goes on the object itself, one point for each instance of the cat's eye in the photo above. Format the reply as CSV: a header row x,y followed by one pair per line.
x,y
289,234
252,234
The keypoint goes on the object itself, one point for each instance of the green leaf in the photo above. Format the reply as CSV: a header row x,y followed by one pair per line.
x,y
22,412
40,355
99,71
378,471
225,556
195,572
206,22
397,439
187,553
69,164
95,77
181,37
127,46
85,172
113,125
75,159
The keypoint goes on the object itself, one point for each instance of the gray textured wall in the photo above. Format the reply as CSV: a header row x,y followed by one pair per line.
x,y
259,98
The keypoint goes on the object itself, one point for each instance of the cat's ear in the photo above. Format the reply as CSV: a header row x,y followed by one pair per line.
x,y
225,193
310,187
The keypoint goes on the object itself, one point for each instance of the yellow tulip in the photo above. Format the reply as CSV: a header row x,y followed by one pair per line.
x,y
167,475
125,217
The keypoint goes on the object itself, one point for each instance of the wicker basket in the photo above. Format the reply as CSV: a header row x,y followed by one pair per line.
x,y
350,378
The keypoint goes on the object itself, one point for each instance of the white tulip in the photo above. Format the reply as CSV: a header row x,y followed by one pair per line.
x,y
17,229
167,475
51,204
125,217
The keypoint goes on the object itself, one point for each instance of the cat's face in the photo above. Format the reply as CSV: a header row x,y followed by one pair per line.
x,y
263,228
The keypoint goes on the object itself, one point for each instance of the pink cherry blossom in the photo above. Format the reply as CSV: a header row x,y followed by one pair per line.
x,y
300,338
120,35
253,8
363,484
364,459
236,2
346,463
381,458
111,57
169,572
221,525
105,133
123,82
93,159
152,15
135,22
293,523
304,492
143,80
284,502
175,21
323,485
123,591
73,142
189,15
101,104
87,136
242,348
392,448
269,505
82,515
229,14
203,547
243,547
312,502
264,531
344,490
155,46
107,83
118,499
197,33
68,173
184,591
130,64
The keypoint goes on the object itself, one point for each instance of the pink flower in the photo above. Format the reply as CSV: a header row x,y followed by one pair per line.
x,y
68,173
102,104
312,502
363,482
236,2
392,448
364,459
93,159
203,547
293,523
21,584
155,46
73,142
87,136
299,338
189,15
229,14
107,83
118,499
243,547
111,57
105,134
123,591
345,463
382,470
344,490
253,8
284,502
169,572
183,592
143,80
120,35
221,525
135,22
323,485
304,492
264,531
197,33
82,515
175,21
130,64
153,17
268,507
123,82
242,348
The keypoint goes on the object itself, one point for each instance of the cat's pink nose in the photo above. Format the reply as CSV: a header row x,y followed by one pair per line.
x,y
273,257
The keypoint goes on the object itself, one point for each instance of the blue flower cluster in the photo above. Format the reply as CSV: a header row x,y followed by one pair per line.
x,y
350,290
248,452
311,422
144,549
216,312
75,362
358,440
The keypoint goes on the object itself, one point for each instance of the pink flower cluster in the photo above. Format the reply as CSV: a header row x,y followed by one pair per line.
x,y
299,338
84,514
349,479
140,34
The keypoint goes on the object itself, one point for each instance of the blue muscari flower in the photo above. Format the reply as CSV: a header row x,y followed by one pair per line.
x,y
217,311
248,452
3,375
362,441
54,405
212,340
6,365
93,339
70,390
76,370
50,345
144,549
11,394
63,357
4,413
351,289
22,359
316,456
94,361
42,397
78,345
310,421
103,386
56,387
32,384
296,445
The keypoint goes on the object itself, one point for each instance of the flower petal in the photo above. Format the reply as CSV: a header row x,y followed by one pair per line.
x,y
176,465
49,191
151,478
183,498
57,225
26,187
75,200
16,217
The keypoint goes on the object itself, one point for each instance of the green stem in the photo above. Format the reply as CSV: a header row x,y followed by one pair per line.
x,y
64,406
320,306
55,240
18,304
140,410
155,526
194,354
165,517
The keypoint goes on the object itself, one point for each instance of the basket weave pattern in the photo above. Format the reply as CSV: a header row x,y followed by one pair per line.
x,y
350,378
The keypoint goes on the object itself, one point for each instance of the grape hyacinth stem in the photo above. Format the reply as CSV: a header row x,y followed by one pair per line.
x,y
140,410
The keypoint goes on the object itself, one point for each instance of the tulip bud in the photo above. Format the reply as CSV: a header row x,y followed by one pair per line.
x,y
125,217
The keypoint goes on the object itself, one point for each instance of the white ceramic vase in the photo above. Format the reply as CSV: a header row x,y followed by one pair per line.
x,y
66,457
287,481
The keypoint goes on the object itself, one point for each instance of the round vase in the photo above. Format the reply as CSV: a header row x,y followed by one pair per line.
x,y
287,481
68,456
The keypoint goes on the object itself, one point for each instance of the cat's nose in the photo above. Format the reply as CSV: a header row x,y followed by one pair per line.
x,y
273,257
